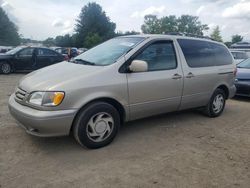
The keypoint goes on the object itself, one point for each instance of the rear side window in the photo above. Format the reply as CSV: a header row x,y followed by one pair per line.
x,y
204,54
222,55
46,52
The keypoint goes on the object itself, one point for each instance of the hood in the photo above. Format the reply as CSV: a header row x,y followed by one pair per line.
x,y
57,77
243,73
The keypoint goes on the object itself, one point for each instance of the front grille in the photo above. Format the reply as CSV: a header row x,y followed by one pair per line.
x,y
20,94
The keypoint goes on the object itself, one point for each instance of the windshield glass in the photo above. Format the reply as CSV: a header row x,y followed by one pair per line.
x,y
245,64
108,52
15,50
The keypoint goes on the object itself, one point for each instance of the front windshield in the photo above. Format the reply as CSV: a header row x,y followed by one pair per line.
x,y
244,64
15,50
108,52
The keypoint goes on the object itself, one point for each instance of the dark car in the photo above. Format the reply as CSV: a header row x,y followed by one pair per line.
x,y
28,59
70,52
242,81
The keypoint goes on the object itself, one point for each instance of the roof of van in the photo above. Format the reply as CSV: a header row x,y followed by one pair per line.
x,y
157,36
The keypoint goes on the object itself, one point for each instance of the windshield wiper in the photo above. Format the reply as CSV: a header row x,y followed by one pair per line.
x,y
84,62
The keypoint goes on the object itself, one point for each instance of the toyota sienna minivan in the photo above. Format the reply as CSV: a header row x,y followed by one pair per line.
x,y
124,79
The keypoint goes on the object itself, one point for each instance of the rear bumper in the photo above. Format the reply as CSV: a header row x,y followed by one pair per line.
x,y
42,123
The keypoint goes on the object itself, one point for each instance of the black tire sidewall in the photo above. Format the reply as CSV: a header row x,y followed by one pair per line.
x,y
211,111
2,68
82,119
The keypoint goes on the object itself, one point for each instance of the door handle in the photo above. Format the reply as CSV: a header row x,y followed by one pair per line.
x,y
176,76
190,75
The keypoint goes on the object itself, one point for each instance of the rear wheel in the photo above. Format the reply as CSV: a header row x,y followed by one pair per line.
x,y
97,125
6,68
216,104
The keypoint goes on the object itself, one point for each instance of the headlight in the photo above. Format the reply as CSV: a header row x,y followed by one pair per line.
x,y
46,98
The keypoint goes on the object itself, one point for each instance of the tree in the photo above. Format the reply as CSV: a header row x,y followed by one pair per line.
x,y
93,25
92,39
49,42
216,34
8,31
169,24
237,38
191,24
151,25
228,44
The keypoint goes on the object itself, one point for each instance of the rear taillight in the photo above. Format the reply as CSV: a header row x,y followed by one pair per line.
x,y
235,71
66,58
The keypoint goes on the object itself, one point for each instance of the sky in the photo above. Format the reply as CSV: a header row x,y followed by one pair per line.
x,y
40,19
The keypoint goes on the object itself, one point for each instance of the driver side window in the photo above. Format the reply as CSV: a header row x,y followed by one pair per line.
x,y
159,56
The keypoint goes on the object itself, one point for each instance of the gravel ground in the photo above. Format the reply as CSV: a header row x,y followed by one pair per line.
x,y
184,149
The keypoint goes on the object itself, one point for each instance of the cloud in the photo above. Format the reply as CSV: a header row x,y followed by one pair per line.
x,y
150,10
239,10
65,26
200,10
58,23
5,5
67,30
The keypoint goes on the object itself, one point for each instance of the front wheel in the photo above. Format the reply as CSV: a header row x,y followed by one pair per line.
x,y
216,104
6,68
97,125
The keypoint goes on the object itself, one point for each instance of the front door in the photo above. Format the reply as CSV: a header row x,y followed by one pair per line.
x,y
159,89
24,59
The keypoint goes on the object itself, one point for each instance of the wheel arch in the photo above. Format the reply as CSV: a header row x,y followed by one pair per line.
x,y
117,105
225,89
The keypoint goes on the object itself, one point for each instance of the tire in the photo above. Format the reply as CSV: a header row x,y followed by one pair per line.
x,y
96,125
6,68
213,108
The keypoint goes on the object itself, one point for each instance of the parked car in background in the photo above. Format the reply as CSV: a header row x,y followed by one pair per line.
x,y
81,50
241,45
239,56
4,49
124,79
242,80
69,52
28,59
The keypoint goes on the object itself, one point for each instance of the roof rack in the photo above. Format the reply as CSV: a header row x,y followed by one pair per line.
x,y
188,35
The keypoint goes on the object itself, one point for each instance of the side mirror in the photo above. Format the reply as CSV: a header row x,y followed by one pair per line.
x,y
138,66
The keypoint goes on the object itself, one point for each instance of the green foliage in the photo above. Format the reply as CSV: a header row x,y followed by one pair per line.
x,y
228,44
168,24
8,31
237,38
93,25
216,34
49,42
152,25
92,40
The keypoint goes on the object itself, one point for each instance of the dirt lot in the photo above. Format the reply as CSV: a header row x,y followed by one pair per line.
x,y
184,149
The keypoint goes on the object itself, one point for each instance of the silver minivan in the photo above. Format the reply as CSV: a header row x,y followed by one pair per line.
x,y
124,79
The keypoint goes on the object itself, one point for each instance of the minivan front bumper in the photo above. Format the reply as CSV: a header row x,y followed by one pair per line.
x,y
42,123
